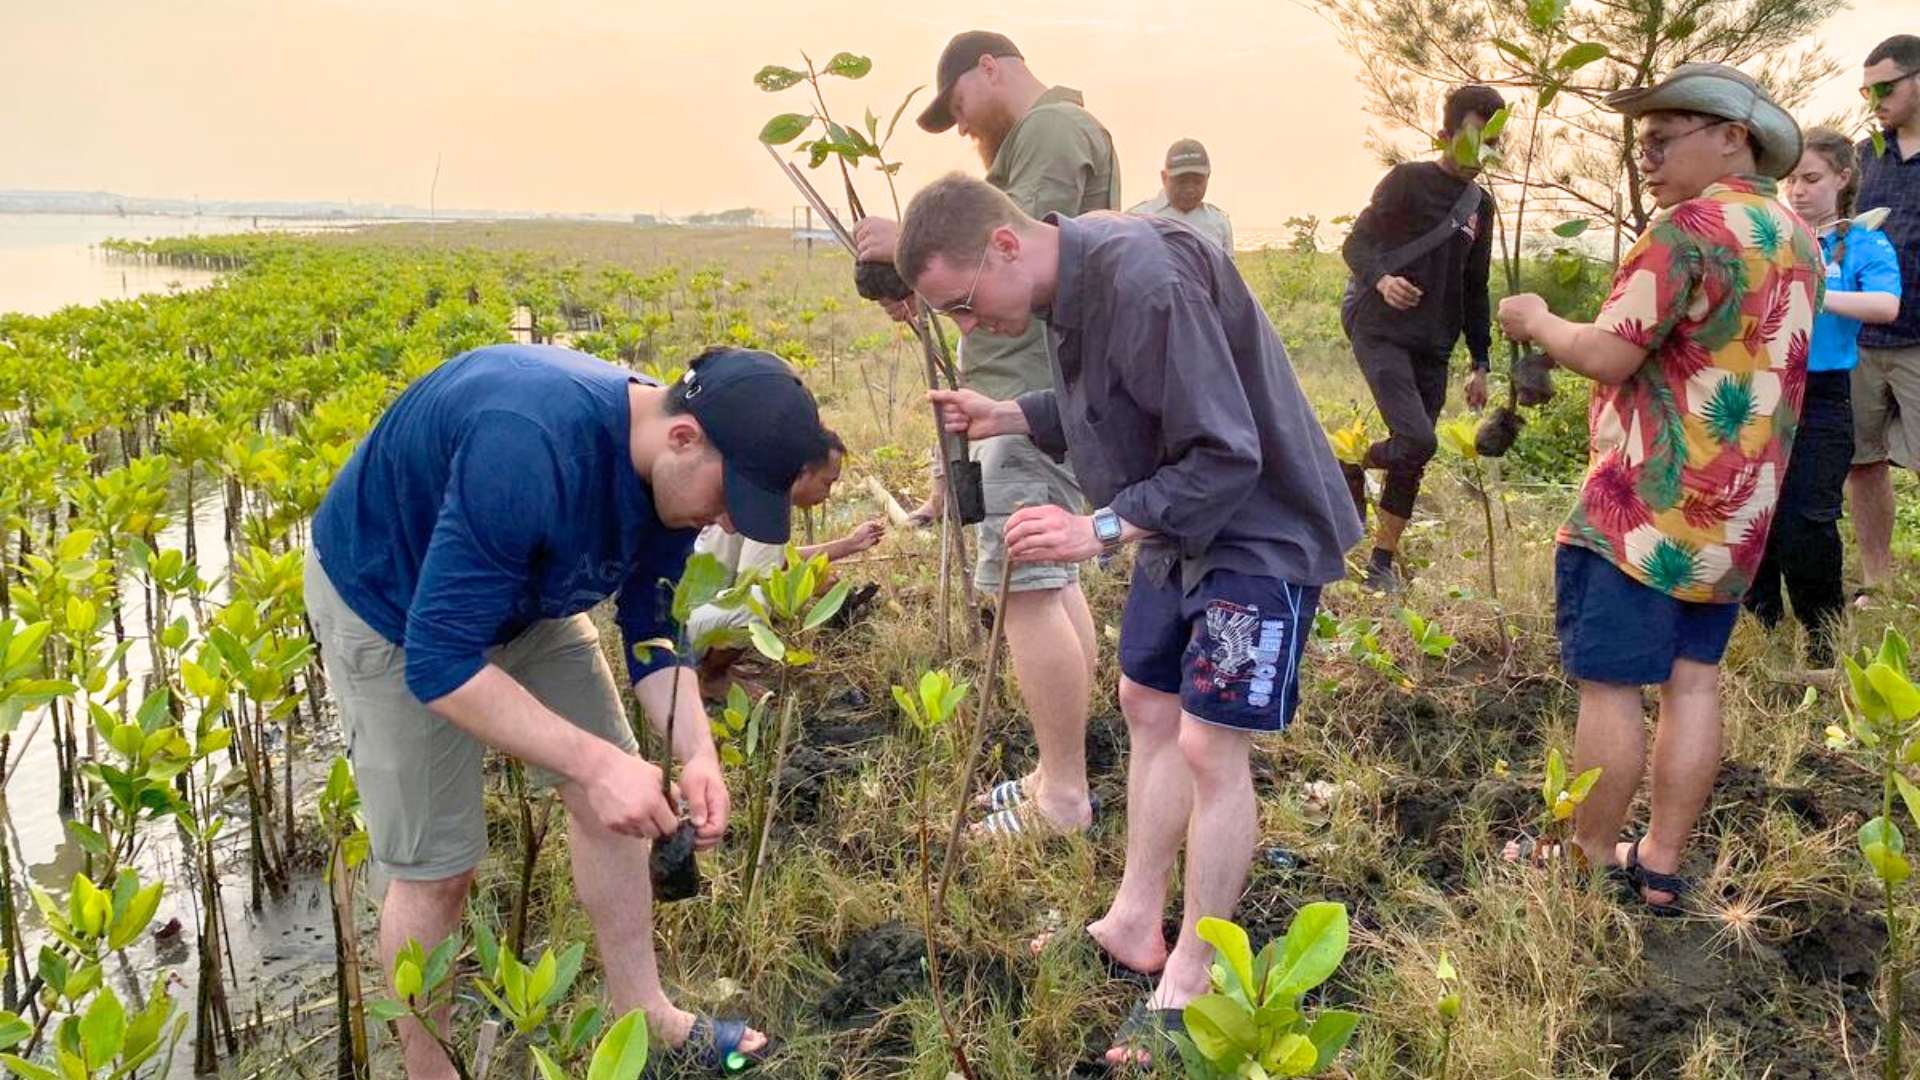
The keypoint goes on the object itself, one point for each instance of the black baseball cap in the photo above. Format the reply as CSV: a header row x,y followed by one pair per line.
x,y
765,424
961,55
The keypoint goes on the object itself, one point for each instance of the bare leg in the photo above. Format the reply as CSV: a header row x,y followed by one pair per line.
x,y
1050,663
426,912
1612,735
1870,488
1220,836
1386,534
1159,802
1686,758
612,881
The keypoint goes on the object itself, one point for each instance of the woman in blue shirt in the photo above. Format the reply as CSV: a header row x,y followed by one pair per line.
x,y
1863,286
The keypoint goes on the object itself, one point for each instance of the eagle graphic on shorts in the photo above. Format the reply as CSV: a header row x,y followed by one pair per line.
x,y
1231,630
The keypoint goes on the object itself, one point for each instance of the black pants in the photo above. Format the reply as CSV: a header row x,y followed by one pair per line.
x,y
1409,386
1803,550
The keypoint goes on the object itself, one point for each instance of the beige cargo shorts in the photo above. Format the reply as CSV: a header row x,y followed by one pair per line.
x,y
1886,407
1015,473
421,789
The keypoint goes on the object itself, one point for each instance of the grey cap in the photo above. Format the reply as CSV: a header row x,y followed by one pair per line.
x,y
1730,94
1188,156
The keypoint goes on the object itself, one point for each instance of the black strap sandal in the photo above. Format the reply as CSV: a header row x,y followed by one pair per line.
x,y
1146,1031
714,1046
1643,879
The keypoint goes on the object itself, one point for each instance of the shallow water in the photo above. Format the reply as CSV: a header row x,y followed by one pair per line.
x,y
49,261
282,954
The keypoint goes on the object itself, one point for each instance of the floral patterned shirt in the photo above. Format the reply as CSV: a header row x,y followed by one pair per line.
x,y
1688,453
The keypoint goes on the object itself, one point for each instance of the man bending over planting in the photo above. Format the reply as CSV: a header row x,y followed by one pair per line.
x,y
1174,400
454,560
1700,360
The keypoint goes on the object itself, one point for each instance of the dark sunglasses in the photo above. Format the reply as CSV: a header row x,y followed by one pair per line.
x,y
1875,93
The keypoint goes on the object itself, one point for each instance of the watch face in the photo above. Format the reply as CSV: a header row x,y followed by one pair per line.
x,y
1106,526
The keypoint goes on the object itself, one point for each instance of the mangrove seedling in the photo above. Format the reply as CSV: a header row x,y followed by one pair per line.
x,y
1254,1022
1882,704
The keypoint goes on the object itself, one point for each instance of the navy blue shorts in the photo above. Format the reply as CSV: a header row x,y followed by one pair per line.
x,y
1614,629
1231,649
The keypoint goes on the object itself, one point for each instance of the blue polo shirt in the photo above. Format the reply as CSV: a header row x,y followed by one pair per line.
x,y
498,490
1868,265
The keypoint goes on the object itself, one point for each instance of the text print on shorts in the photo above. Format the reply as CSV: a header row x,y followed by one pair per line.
x,y
1241,640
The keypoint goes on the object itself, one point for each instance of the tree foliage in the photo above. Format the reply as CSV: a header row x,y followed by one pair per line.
x,y
1412,52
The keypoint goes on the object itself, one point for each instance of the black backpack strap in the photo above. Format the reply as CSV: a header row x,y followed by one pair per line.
x,y
1457,218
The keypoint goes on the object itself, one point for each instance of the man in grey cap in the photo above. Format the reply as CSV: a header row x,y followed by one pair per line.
x,y
1699,358
1049,155
1183,195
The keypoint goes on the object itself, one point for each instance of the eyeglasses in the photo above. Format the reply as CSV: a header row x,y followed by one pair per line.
x,y
965,307
1875,93
1653,148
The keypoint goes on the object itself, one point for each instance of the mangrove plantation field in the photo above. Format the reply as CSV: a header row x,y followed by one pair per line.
x,y
182,879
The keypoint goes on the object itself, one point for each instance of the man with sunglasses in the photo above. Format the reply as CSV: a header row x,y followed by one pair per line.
x,y
1175,400
1419,255
1699,358
1886,384
1049,155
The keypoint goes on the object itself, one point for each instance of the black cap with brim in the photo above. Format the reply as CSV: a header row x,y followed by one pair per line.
x,y
1730,94
960,56
766,426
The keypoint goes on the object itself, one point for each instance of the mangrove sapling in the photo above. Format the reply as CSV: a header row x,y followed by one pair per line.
x,y
931,708
1459,436
528,998
1560,798
209,685
21,688
1447,1009
786,605
1254,1021
347,848
1883,728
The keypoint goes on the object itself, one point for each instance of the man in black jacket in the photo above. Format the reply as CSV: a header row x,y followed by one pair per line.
x,y
1405,313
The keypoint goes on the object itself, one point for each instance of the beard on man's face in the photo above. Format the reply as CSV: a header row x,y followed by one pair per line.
x,y
989,131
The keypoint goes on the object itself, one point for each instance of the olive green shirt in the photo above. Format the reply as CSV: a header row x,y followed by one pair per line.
x,y
1057,159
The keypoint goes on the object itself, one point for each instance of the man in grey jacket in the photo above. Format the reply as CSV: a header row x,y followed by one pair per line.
x,y
1175,402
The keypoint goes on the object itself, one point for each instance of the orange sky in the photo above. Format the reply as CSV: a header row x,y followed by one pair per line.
x,y
642,105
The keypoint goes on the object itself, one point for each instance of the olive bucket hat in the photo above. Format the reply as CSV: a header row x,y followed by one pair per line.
x,y
1728,93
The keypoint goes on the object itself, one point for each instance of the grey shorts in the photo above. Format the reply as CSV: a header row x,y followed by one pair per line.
x,y
1886,407
1014,473
421,789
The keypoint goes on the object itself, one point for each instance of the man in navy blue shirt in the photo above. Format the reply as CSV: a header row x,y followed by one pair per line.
x,y
1886,384
454,559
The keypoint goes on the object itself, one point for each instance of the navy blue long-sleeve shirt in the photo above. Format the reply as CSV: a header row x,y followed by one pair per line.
x,y
1175,401
498,490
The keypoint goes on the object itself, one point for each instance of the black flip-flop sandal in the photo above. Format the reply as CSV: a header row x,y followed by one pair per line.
x,y
714,1046
1642,879
1146,1030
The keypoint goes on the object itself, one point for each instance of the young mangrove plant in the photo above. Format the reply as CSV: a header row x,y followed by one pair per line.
x,y
1254,1022
347,848
1882,708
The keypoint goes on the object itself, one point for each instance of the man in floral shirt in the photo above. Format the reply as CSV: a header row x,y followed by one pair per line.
x,y
1700,361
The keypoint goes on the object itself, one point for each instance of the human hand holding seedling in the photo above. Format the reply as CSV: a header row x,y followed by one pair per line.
x,y
975,415
1520,316
626,796
703,790
875,238
1399,293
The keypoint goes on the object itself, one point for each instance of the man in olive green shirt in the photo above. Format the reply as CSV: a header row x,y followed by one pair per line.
x,y
1050,155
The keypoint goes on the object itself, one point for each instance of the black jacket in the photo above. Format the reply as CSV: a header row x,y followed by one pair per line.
x,y
1411,199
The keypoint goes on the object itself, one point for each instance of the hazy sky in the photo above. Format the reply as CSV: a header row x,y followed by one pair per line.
x,y
599,105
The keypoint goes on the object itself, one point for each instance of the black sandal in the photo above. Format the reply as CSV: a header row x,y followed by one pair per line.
x,y
714,1046
1146,1030
1643,879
